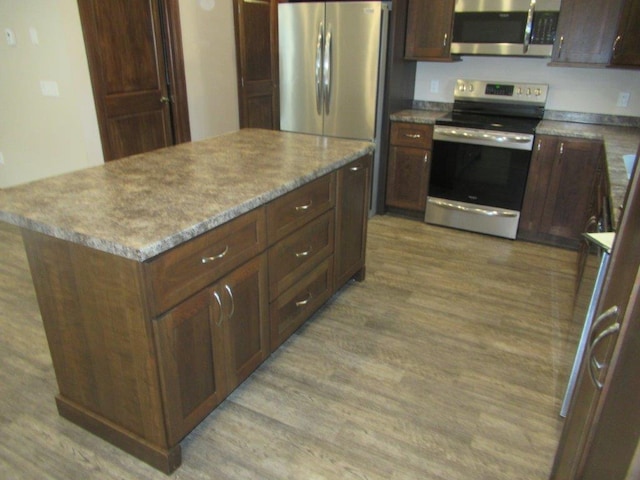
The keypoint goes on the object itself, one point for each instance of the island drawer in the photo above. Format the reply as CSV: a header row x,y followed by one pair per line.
x,y
418,135
187,268
294,256
294,306
291,211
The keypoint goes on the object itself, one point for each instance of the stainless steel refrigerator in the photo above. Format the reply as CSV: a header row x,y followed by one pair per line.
x,y
332,69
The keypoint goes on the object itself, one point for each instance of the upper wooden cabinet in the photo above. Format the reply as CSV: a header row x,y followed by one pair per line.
x,y
626,47
586,31
429,26
256,29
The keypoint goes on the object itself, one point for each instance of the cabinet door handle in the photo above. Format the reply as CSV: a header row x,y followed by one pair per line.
x,y
426,158
413,135
302,208
539,145
560,46
305,253
615,45
215,257
217,297
593,362
444,40
233,303
302,303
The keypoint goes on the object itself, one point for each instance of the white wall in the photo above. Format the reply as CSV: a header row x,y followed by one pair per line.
x,y
44,136
209,48
588,90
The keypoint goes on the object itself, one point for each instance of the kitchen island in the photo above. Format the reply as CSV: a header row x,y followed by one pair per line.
x,y
164,279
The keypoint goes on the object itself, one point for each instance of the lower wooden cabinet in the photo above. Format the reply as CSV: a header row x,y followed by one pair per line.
x,y
143,351
210,343
559,198
354,187
409,167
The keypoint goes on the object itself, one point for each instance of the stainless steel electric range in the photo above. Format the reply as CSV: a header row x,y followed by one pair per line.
x,y
481,155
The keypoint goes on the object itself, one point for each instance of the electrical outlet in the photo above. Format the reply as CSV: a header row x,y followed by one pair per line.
x,y
623,99
435,86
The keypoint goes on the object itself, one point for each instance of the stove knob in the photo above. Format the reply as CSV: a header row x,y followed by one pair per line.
x,y
537,92
528,92
470,87
519,91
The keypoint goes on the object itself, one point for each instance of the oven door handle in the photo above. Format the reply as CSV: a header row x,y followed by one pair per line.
x,y
482,135
477,210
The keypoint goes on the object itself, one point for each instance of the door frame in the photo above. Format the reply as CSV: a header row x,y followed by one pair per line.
x,y
174,63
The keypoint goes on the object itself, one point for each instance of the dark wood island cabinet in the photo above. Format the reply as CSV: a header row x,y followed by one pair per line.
x,y
187,272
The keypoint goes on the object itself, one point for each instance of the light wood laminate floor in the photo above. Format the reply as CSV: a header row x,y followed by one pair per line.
x,y
448,362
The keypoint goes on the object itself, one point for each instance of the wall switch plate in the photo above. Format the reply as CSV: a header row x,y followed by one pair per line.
x,y
10,37
33,34
435,86
49,88
623,99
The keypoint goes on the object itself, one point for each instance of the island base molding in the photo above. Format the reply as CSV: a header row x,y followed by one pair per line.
x,y
167,461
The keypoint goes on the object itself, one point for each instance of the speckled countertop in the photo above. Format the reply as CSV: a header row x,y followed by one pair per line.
x,y
143,205
618,141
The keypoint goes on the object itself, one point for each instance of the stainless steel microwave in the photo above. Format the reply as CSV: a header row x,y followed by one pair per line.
x,y
505,27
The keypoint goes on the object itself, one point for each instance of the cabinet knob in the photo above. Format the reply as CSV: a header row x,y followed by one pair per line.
x,y
165,100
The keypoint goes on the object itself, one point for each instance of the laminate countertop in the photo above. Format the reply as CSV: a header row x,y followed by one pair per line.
x,y
143,205
618,141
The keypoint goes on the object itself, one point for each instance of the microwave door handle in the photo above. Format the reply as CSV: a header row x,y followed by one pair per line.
x,y
528,27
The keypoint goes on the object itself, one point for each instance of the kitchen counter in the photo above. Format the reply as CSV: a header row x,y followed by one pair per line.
x,y
618,141
143,205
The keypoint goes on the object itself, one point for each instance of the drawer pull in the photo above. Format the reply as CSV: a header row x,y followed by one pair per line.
x,y
217,297
302,208
356,168
215,257
413,135
233,303
305,253
302,303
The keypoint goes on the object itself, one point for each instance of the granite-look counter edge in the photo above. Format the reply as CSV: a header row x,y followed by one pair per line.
x,y
140,206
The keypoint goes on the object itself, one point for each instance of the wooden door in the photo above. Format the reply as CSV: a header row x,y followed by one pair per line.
x,y
135,60
626,48
408,178
586,31
352,208
256,28
537,185
571,187
245,326
602,429
429,29
192,368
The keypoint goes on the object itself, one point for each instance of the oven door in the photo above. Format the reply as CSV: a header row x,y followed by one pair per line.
x,y
477,179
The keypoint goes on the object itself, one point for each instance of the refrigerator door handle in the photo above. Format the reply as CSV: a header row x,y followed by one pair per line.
x,y
326,73
318,68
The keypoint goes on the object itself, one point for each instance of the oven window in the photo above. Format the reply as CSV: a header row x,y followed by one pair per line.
x,y
489,27
478,174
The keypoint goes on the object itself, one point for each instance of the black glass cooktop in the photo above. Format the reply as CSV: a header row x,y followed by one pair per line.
x,y
506,117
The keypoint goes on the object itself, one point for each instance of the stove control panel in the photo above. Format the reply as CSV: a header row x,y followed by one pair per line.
x,y
535,93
